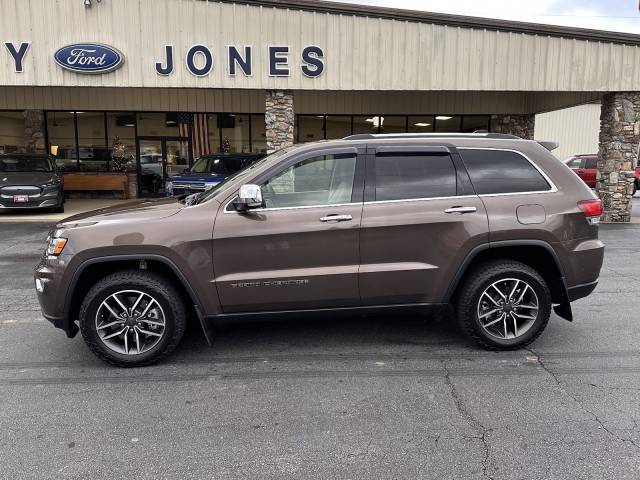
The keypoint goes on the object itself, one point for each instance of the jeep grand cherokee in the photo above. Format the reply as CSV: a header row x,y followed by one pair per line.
x,y
491,224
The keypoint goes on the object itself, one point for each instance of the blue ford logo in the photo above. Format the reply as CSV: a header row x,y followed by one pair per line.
x,y
89,58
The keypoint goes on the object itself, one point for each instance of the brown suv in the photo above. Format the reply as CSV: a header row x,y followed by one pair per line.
x,y
491,224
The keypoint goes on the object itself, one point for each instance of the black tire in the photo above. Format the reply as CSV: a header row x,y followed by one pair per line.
x,y
144,281
480,279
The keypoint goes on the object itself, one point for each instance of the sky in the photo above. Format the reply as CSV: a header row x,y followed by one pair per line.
x,y
614,15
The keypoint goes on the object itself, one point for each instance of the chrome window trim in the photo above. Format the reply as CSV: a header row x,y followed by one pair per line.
x,y
553,188
424,199
274,209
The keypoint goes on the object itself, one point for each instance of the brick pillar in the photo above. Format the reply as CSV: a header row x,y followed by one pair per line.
x,y
279,119
520,125
618,153
34,131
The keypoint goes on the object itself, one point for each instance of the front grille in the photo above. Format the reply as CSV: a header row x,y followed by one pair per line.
x,y
12,190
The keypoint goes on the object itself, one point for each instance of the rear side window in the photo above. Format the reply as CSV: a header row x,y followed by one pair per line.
x,y
502,171
403,176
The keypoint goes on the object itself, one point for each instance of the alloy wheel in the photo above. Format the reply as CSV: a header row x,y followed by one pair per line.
x,y
508,308
130,322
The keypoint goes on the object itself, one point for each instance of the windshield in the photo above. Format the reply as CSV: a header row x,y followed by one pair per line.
x,y
25,164
218,165
204,196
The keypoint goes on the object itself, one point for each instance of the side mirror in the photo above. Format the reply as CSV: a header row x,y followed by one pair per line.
x,y
249,196
185,170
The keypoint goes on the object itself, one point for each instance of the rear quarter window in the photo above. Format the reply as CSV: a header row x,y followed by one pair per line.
x,y
502,171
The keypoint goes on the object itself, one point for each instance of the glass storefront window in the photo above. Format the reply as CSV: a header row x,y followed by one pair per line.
x,y
62,140
393,124
366,124
91,142
161,125
258,134
338,126
471,123
214,133
310,128
11,131
421,124
447,123
235,132
121,130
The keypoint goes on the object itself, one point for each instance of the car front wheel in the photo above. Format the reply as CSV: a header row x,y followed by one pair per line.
x,y
132,318
504,305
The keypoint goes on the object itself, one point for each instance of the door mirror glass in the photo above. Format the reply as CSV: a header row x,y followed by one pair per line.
x,y
249,196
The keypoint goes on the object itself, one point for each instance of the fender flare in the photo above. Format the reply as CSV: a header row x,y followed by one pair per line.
x,y
564,307
69,324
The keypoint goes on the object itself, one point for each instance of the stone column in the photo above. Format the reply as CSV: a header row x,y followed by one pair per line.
x,y
618,154
520,125
279,118
34,131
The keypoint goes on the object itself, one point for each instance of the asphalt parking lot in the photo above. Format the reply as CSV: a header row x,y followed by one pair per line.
x,y
396,397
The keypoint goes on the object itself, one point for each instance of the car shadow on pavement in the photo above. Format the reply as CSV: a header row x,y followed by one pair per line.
x,y
388,333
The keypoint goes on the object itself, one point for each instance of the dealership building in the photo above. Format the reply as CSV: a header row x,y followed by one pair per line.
x,y
123,90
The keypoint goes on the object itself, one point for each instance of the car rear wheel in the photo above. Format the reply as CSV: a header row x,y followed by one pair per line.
x,y
132,318
504,305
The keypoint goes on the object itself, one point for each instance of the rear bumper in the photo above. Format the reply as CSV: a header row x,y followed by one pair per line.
x,y
581,291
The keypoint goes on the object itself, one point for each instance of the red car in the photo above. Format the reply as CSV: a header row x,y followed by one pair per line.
x,y
586,167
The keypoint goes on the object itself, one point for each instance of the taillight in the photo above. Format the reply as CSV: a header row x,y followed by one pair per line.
x,y
592,209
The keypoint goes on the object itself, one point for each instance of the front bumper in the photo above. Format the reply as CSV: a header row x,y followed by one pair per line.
x,y
48,276
47,200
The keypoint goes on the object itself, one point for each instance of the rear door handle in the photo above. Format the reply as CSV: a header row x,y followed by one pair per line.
x,y
336,218
460,210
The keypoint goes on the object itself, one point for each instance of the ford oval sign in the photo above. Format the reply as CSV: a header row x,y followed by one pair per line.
x,y
89,58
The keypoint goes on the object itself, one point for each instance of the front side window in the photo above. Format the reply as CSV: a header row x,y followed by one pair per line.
x,y
404,176
320,180
502,171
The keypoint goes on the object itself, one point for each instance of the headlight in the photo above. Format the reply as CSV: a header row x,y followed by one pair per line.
x,y
55,246
169,186
51,183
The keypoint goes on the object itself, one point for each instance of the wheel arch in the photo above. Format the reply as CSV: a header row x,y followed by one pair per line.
x,y
93,269
537,254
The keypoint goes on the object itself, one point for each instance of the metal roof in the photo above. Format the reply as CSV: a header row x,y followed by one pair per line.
x,y
446,19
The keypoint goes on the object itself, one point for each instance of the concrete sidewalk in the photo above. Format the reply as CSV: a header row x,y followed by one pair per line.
x,y
71,207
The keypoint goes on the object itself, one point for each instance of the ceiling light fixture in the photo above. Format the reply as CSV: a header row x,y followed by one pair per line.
x,y
443,117
420,124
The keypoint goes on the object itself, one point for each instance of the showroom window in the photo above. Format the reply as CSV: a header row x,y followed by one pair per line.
x,y
121,140
235,132
92,148
337,126
11,131
61,131
310,128
258,134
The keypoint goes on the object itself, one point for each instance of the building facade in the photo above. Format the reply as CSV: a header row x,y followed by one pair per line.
x,y
145,87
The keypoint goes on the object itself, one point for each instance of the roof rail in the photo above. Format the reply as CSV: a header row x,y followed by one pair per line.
x,y
364,136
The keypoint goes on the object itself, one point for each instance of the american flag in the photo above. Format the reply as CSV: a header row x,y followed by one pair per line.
x,y
198,125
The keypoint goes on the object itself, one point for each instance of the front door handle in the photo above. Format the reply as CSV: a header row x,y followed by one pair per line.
x,y
460,210
336,218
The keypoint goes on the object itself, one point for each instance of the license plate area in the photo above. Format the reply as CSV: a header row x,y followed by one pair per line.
x,y
20,198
